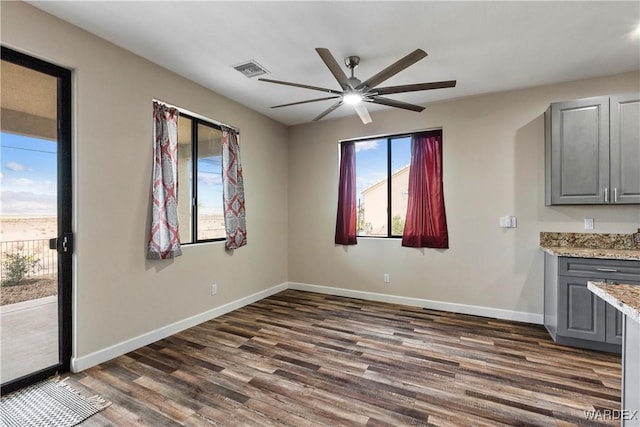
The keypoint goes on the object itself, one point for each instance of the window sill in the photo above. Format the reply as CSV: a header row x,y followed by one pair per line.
x,y
380,237
203,242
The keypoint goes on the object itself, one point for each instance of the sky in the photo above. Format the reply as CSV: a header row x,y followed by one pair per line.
x,y
210,185
29,168
371,160
28,176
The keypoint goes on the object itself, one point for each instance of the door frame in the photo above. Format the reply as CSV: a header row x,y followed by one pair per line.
x,y
64,211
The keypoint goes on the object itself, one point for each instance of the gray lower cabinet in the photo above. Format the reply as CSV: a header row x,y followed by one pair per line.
x,y
581,314
615,324
575,316
592,151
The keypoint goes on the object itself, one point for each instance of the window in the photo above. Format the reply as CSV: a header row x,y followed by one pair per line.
x,y
393,187
382,182
200,212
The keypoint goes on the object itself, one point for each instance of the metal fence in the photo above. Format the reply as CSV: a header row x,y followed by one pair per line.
x,y
38,249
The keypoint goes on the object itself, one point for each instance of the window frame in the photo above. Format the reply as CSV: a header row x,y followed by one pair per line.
x,y
389,141
195,121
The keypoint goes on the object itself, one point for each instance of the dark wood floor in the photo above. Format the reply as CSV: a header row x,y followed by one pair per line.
x,y
306,359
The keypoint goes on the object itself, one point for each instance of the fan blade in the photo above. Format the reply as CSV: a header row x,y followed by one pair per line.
x,y
321,89
394,103
306,102
333,66
363,113
393,69
328,110
415,87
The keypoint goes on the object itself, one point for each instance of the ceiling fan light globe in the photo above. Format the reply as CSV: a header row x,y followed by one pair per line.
x,y
352,98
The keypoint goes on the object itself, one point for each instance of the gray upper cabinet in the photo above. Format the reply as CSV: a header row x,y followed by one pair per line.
x,y
592,151
625,148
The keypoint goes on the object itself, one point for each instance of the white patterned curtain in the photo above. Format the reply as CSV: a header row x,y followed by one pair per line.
x,y
233,190
164,241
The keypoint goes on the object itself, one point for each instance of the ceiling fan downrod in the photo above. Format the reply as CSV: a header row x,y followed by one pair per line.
x,y
352,63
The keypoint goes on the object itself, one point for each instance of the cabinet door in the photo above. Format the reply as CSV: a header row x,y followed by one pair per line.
x,y
625,148
581,314
579,150
615,320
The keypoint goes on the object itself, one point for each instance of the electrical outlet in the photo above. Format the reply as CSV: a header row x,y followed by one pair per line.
x,y
214,289
588,223
386,278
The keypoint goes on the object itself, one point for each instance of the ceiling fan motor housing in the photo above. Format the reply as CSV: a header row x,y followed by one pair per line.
x,y
352,62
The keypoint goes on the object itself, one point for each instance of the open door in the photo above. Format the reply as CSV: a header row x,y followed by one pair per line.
x,y
35,213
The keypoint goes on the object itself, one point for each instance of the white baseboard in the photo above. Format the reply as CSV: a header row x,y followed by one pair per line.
x,y
81,363
475,310
85,362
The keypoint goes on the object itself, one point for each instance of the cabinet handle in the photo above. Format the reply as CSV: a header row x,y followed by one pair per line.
x,y
608,270
615,195
606,194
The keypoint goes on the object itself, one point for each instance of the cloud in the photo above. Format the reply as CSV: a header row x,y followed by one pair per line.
x,y
208,178
371,144
28,203
29,185
15,166
21,182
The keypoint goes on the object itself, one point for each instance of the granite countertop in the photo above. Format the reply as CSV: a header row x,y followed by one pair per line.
x,y
625,254
625,298
592,245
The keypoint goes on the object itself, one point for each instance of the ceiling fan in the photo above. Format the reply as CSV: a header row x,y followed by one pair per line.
x,y
355,92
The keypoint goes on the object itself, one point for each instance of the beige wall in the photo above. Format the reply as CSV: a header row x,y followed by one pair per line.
x,y
118,294
493,148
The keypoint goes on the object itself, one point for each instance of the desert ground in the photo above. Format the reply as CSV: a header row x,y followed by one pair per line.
x,y
34,228
27,228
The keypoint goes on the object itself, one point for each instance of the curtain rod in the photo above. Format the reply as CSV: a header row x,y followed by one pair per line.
x,y
386,135
196,115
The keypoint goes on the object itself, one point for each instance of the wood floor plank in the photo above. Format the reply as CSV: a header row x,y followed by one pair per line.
x,y
307,359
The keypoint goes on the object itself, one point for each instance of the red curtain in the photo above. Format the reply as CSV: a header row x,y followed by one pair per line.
x,y
426,222
346,218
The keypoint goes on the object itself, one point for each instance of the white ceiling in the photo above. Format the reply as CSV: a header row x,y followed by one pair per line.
x,y
485,46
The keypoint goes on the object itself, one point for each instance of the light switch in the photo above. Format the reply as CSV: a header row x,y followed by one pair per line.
x,y
508,222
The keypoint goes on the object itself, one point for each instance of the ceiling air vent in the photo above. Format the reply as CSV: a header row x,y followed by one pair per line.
x,y
251,68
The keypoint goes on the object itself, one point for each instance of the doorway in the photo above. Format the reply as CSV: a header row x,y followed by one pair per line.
x,y
36,240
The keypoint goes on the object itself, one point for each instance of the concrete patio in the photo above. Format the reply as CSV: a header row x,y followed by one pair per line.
x,y
28,337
